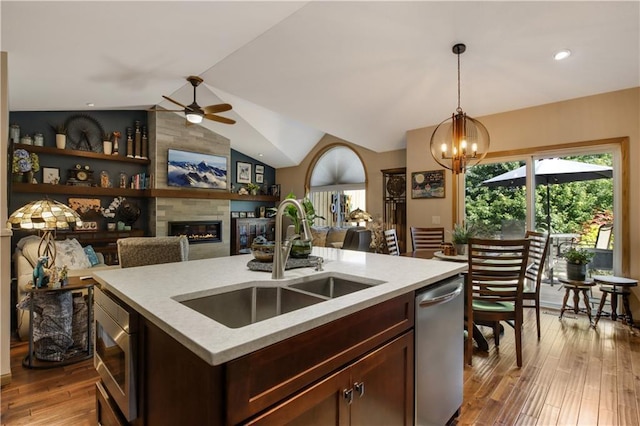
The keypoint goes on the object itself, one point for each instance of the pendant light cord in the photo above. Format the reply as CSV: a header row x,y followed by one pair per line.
x,y
458,109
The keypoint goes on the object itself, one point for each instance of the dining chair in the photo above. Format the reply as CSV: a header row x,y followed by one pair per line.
x,y
141,251
391,239
494,286
427,238
538,249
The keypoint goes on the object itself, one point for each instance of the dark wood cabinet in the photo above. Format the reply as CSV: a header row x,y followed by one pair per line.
x,y
376,389
299,380
394,188
244,230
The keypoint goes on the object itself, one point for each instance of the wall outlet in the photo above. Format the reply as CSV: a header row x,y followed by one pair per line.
x,y
435,220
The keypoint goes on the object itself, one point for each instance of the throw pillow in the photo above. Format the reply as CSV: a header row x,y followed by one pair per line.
x,y
91,255
71,254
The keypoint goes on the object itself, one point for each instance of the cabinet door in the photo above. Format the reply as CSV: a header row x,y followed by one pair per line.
x,y
324,403
382,384
376,390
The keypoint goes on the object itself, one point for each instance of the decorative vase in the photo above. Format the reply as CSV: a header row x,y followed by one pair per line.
x,y
18,177
61,141
576,271
107,146
461,249
300,249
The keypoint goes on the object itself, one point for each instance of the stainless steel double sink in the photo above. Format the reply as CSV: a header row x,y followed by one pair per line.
x,y
262,300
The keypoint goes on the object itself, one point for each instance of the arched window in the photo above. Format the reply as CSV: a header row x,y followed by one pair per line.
x,y
338,184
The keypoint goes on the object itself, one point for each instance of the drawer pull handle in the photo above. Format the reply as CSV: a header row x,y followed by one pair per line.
x,y
348,395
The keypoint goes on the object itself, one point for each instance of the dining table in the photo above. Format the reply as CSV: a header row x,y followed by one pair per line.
x,y
479,338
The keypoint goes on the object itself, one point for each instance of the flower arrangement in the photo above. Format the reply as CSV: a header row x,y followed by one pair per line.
x,y
24,162
110,212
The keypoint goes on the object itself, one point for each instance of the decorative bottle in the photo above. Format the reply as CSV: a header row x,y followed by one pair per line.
x,y
145,142
129,142
137,140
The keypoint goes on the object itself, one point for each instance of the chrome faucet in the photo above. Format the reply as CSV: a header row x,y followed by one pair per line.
x,y
281,251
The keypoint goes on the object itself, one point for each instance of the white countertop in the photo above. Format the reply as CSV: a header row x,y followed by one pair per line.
x,y
154,290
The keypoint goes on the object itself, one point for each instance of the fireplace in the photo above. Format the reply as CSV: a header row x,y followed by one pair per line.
x,y
209,231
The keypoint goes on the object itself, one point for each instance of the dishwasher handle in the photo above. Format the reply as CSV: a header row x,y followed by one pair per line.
x,y
428,302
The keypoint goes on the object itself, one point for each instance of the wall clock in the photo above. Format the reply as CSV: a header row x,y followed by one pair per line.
x,y
84,133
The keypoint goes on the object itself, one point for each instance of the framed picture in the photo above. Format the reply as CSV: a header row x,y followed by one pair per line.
x,y
259,178
429,184
196,170
275,190
235,215
243,214
51,175
243,172
251,214
259,168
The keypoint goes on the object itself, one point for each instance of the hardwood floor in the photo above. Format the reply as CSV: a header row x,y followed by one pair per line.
x,y
575,375
56,396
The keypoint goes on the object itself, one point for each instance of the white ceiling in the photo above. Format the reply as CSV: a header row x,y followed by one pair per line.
x,y
364,71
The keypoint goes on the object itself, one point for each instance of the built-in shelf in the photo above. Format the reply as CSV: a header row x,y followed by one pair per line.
x,y
44,188
82,154
139,193
208,194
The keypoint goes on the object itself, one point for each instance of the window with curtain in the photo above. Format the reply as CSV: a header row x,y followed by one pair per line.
x,y
338,185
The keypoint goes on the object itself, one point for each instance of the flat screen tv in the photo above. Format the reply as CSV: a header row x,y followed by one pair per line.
x,y
196,170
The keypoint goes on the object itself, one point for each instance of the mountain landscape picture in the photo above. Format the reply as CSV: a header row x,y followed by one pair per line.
x,y
196,170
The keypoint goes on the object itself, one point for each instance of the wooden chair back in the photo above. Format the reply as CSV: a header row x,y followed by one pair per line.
x,y
496,273
427,238
391,239
538,249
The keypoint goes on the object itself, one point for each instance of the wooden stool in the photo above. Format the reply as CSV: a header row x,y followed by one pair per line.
x,y
615,286
577,287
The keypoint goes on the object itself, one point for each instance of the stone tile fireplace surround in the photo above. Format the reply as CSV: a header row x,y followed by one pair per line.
x,y
168,130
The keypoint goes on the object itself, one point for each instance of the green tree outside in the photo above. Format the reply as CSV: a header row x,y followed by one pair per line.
x,y
575,207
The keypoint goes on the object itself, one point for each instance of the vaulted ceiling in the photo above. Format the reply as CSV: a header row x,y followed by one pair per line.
x,y
363,71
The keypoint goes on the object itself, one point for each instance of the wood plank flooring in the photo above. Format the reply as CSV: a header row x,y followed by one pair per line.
x,y
575,375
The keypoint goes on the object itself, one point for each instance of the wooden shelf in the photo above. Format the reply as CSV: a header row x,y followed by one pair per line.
x,y
137,193
83,154
209,195
77,190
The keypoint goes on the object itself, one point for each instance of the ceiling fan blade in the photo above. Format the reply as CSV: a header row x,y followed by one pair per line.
x,y
175,102
219,119
212,109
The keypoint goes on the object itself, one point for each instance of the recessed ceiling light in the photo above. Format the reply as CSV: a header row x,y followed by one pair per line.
x,y
562,54
260,155
90,104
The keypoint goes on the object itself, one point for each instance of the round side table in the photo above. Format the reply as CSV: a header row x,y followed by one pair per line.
x,y
577,287
615,286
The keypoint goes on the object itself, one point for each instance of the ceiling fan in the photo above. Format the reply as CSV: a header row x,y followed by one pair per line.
x,y
194,112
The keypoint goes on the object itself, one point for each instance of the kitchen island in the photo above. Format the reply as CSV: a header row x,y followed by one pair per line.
x,y
310,342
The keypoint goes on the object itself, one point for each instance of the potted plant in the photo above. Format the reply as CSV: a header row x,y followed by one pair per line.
x,y
460,237
253,188
61,135
577,259
299,248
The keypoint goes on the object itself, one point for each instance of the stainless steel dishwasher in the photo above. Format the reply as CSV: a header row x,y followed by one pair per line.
x,y
439,352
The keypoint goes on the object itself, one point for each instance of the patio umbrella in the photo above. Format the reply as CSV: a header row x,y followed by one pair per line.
x,y
552,171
